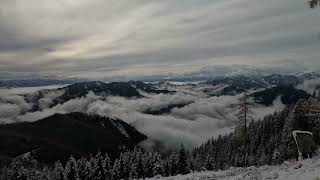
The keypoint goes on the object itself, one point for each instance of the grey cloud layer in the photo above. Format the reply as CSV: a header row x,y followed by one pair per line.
x,y
96,38
191,125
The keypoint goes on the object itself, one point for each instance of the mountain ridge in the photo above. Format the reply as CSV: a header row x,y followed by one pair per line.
x,y
61,135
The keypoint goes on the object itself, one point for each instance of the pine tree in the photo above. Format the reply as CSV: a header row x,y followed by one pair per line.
x,y
140,168
59,171
149,165
99,168
173,161
244,115
71,169
116,170
108,168
209,163
157,165
182,161
84,168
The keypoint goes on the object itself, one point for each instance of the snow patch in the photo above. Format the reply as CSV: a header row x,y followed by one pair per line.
x,y
120,128
308,169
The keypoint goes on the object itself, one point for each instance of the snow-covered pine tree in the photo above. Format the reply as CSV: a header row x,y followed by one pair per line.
x,y
140,165
173,159
83,169
90,166
148,164
209,163
125,165
191,163
182,161
244,115
108,168
133,161
157,164
59,171
99,168
71,169
116,169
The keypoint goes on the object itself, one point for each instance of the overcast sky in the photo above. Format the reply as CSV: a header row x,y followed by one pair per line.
x,y
103,38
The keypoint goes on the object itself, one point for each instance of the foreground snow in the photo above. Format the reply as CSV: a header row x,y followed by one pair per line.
x,y
305,170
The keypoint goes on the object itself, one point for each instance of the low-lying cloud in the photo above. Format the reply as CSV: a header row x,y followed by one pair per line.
x,y
310,85
11,106
202,118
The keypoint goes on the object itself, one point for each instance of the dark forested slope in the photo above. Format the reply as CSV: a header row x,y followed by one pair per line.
x,y
60,135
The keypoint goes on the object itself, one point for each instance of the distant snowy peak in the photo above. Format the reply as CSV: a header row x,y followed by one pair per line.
x,y
274,79
281,80
149,88
164,85
242,83
78,90
309,76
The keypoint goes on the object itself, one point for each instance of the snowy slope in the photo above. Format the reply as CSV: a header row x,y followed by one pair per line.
x,y
305,170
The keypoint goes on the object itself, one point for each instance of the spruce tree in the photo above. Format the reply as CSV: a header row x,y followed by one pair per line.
x,y
244,115
99,169
182,161
157,165
140,168
72,169
59,171
116,170
209,163
108,168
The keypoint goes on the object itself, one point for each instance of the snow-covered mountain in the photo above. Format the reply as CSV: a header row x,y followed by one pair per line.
x,y
241,83
129,89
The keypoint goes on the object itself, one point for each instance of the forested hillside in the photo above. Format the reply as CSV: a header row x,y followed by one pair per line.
x,y
61,135
269,141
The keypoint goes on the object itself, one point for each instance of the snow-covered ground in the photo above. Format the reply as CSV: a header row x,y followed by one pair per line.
x,y
308,169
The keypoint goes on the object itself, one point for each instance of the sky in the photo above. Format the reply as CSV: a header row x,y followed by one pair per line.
x,y
108,38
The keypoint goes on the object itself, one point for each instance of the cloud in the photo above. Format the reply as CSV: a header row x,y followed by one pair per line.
x,y
221,107
97,38
309,85
203,118
168,130
11,106
47,100
74,105
260,111
152,102
15,101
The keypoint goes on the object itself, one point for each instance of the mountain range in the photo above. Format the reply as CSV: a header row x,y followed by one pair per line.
x,y
264,89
